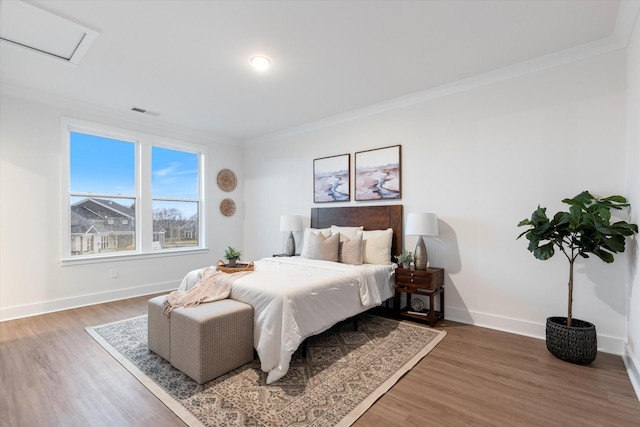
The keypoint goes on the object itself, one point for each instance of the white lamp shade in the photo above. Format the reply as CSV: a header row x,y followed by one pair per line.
x,y
422,224
290,223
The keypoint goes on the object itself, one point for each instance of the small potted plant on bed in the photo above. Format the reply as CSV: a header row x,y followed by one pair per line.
x,y
405,258
232,255
585,229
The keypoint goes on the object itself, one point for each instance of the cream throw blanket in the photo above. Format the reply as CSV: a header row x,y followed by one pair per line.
x,y
213,286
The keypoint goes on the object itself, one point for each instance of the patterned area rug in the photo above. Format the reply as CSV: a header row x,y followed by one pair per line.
x,y
344,373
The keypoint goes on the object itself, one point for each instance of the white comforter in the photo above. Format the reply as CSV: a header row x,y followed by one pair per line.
x,y
294,298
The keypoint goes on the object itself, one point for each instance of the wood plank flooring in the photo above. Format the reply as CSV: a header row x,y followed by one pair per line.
x,y
52,373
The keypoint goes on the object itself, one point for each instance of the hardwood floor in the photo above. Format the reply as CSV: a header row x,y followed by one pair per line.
x,y
52,373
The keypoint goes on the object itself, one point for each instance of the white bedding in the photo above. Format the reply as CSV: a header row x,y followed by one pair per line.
x,y
294,298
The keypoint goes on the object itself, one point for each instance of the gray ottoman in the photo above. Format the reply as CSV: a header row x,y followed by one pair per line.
x,y
210,339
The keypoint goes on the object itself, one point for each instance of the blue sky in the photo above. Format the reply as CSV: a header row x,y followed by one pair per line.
x,y
102,165
107,166
174,173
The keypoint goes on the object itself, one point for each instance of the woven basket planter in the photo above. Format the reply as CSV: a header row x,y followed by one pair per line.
x,y
576,344
237,267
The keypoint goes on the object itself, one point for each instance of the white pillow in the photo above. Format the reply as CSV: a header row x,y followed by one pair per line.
x,y
304,252
377,246
349,232
323,248
350,250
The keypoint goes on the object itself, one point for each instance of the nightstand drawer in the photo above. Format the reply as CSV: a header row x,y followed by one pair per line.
x,y
431,278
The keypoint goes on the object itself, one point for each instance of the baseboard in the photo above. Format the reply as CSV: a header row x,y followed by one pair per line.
x,y
27,310
606,344
632,364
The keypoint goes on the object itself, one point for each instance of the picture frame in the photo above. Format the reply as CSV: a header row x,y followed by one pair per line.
x,y
378,174
332,179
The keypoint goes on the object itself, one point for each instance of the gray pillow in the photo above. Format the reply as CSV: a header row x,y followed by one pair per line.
x,y
323,248
350,249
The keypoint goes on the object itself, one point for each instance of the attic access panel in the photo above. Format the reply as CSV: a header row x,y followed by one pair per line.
x,y
26,26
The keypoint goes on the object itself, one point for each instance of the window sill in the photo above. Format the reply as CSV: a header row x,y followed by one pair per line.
x,y
131,256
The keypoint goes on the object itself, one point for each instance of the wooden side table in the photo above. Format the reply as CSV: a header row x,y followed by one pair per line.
x,y
429,282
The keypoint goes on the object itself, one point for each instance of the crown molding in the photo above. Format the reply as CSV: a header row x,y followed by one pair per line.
x,y
150,124
627,16
566,56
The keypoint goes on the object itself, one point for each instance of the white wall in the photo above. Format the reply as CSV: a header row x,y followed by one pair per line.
x,y
632,359
482,160
32,280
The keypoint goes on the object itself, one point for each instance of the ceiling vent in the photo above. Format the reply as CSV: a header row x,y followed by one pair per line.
x,y
29,27
143,111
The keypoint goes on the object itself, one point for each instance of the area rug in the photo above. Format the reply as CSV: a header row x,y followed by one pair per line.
x,y
344,372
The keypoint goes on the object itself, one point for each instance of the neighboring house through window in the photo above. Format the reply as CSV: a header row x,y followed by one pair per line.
x,y
129,192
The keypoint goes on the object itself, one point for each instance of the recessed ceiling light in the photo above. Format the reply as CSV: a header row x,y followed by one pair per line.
x,y
259,62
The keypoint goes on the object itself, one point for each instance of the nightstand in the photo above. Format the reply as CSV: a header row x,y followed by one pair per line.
x,y
429,282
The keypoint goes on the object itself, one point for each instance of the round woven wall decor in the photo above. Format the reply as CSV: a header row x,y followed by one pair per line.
x,y
227,180
228,207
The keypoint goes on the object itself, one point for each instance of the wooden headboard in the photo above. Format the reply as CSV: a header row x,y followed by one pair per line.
x,y
370,217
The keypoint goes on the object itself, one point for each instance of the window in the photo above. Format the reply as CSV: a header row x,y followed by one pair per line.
x,y
130,193
175,197
101,172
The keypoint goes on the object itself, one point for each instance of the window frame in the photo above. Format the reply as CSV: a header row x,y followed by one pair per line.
x,y
143,191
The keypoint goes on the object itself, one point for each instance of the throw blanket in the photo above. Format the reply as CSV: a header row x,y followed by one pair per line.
x,y
214,285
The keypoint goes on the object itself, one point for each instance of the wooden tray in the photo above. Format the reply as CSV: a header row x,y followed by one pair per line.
x,y
240,266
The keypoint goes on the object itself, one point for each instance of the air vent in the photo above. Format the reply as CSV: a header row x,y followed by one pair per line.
x,y
143,111
28,27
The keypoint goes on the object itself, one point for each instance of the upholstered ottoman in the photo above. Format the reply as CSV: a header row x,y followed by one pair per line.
x,y
159,328
211,339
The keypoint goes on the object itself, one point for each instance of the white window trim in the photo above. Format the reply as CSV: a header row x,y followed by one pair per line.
x,y
144,214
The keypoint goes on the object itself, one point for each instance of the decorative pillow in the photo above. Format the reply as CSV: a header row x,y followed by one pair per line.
x,y
323,248
377,246
349,232
350,250
304,252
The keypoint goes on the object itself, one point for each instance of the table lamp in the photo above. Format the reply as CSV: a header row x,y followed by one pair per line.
x,y
421,224
290,223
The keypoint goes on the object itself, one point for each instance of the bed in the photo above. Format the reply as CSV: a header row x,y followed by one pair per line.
x,y
297,297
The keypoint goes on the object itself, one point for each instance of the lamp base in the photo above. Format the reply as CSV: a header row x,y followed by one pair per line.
x,y
291,245
421,255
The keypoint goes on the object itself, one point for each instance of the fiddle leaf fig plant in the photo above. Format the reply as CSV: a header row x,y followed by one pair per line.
x,y
585,229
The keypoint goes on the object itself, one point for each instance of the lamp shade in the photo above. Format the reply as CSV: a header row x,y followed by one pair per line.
x,y
422,224
290,223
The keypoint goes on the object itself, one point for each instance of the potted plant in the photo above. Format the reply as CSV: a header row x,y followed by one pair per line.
x,y
585,229
405,258
232,255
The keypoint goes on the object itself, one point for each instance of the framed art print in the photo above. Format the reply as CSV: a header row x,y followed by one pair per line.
x,y
331,182
378,174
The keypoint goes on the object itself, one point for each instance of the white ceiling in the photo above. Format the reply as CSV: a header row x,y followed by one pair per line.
x,y
188,60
